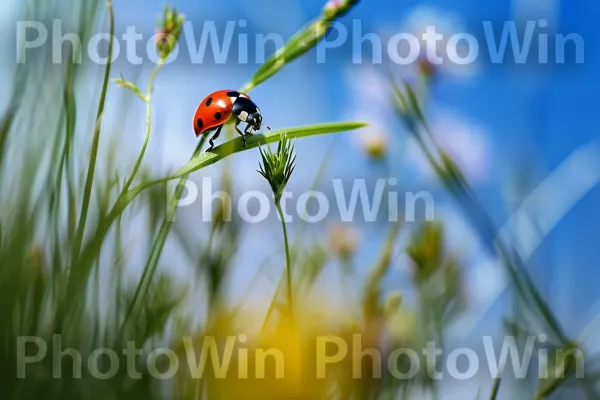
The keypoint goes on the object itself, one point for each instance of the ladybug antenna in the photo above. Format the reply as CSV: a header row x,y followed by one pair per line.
x,y
266,126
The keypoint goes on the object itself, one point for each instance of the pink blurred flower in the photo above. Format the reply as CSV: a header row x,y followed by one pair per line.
x,y
333,5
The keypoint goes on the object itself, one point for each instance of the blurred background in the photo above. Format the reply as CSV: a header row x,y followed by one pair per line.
x,y
78,260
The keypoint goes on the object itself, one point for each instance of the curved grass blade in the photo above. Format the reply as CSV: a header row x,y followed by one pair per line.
x,y
235,146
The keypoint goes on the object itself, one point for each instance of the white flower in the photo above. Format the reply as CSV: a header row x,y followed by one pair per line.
x,y
446,24
486,281
370,101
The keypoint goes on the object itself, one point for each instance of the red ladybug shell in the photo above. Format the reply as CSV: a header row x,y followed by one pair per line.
x,y
214,110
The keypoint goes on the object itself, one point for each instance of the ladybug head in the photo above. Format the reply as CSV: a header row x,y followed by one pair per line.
x,y
256,121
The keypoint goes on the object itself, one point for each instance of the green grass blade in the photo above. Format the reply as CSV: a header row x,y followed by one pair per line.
x,y
299,44
235,146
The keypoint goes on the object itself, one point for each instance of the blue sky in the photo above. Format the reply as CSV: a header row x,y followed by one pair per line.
x,y
497,120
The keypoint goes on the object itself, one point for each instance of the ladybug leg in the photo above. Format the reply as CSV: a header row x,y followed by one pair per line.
x,y
240,132
215,136
249,130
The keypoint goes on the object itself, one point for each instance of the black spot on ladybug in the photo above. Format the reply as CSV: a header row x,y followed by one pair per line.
x,y
218,115
199,123
233,94
209,102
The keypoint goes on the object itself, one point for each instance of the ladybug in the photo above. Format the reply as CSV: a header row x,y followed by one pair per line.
x,y
218,107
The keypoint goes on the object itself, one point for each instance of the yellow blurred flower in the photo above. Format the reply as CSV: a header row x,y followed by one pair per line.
x,y
375,144
279,361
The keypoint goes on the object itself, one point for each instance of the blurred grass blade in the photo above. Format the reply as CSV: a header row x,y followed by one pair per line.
x,y
94,150
496,387
414,103
95,142
300,43
5,127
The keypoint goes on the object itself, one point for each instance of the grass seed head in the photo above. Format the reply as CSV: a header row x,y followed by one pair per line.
x,y
277,167
168,32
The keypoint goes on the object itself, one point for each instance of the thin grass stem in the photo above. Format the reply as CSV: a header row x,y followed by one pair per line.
x,y
288,262
138,162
